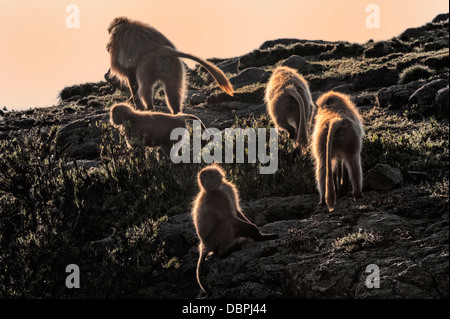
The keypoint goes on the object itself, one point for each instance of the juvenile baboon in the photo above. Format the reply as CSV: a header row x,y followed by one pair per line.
x,y
337,139
142,56
218,218
152,128
290,105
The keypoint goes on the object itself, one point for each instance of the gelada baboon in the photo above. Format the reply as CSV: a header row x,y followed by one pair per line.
x,y
147,127
142,56
290,105
218,218
337,139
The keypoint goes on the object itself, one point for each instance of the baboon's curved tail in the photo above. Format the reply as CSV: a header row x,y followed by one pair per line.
x,y
302,130
201,259
330,192
218,75
193,117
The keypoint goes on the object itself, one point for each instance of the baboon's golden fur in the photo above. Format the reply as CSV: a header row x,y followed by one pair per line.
x,y
290,105
337,138
142,56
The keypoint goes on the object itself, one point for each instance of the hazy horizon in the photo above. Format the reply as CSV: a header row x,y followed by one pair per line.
x,y
40,55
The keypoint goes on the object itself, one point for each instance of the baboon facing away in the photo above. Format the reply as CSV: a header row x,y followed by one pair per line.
x,y
337,140
218,218
142,56
290,105
150,128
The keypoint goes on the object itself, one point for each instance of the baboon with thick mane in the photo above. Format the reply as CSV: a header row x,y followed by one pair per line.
x,y
337,140
218,218
290,105
142,56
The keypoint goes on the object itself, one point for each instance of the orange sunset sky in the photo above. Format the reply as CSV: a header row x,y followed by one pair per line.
x,y
39,55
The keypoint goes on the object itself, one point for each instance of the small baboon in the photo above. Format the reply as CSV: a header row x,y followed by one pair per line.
x,y
337,140
151,128
142,56
218,218
290,105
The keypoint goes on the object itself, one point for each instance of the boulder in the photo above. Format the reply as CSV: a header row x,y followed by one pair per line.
x,y
379,49
376,78
440,18
195,97
416,177
426,94
382,177
396,96
295,62
250,76
80,139
442,100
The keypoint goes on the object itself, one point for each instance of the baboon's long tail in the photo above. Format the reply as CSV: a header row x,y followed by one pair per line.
x,y
201,259
330,192
191,116
302,130
218,75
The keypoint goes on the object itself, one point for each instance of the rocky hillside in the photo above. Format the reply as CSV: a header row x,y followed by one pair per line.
x,y
401,87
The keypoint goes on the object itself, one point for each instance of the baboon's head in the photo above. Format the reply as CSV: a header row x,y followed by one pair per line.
x,y
119,113
211,177
114,23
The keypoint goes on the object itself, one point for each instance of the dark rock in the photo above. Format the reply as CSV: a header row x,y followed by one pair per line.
x,y
195,97
83,101
289,41
249,76
396,96
272,43
440,18
258,58
81,138
376,78
442,99
416,177
426,94
348,87
367,99
229,66
340,50
379,49
94,103
382,177
179,235
412,33
74,98
81,90
295,62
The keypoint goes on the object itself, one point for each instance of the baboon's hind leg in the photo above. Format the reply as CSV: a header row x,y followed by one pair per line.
x,y
174,86
355,174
